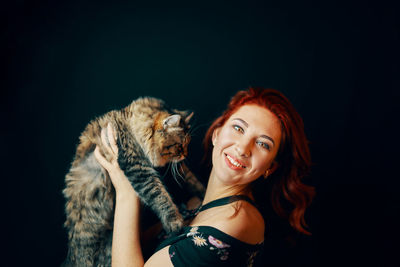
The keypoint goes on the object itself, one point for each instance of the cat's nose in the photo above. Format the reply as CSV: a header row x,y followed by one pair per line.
x,y
180,149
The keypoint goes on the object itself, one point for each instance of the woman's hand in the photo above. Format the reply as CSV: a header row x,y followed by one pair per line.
x,y
117,176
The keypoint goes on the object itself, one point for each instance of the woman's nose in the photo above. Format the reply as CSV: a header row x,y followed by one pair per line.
x,y
243,149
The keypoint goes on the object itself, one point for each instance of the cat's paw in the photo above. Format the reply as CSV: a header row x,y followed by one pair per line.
x,y
174,225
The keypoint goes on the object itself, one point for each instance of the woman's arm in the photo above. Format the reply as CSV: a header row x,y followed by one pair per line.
x,y
126,248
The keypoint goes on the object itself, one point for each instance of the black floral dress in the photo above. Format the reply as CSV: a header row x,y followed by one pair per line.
x,y
208,246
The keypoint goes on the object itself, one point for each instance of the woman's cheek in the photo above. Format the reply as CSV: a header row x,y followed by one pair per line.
x,y
229,137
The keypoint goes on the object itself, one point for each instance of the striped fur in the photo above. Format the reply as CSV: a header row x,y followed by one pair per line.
x,y
149,135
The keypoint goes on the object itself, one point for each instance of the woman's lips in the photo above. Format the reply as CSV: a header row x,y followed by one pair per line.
x,y
233,163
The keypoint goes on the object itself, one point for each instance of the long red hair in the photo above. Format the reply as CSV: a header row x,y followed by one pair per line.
x,y
293,157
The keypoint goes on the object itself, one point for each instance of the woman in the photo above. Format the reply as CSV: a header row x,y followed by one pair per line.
x,y
258,138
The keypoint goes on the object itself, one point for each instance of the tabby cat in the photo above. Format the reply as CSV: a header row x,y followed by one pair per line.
x,y
148,135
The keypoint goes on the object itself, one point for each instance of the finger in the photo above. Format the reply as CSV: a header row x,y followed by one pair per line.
x,y
112,139
103,162
105,143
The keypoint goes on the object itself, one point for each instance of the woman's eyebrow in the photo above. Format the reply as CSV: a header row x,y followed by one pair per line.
x,y
263,135
267,137
242,121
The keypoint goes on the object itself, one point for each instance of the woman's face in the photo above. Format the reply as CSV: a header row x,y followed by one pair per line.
x,y
246,145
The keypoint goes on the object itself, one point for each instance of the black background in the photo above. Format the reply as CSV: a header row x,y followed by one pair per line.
x,y
67,62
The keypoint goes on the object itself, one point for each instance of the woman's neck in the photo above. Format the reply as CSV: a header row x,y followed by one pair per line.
x,y
216,190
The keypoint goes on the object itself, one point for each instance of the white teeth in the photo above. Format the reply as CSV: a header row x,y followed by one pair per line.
x,y
237,164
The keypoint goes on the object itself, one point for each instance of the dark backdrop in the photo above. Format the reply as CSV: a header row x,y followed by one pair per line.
x,y
66,62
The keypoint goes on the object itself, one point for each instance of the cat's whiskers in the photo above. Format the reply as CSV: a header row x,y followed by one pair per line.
x,y
176,173
165,173
180,165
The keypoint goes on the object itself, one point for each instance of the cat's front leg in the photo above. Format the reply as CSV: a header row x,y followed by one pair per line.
x,y
146,182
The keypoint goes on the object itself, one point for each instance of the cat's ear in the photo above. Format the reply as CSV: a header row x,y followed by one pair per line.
x,y
172,121
189,117
186,114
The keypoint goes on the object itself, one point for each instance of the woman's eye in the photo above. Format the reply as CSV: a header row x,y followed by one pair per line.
x,y
238,128
264,145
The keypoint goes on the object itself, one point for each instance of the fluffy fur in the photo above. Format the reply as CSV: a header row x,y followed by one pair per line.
x,y
149,135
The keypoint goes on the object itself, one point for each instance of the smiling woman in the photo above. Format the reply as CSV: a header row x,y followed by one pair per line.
x,y
259,138
292,159
245,146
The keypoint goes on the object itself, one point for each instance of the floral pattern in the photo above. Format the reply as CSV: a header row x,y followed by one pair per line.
x,y
215,244
199,240
193,231
172,254
220,247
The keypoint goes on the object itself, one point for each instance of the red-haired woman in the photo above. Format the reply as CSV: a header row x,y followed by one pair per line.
x,y
259,137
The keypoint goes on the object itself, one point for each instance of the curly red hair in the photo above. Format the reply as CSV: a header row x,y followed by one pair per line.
x,y
293,157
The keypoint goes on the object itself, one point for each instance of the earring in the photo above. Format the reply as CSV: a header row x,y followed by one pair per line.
x,y
266,173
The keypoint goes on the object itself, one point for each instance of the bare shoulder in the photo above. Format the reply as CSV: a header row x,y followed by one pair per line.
x,y
242,221
160,258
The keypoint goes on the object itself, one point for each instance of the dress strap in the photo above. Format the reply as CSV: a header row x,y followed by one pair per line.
x,y
223,201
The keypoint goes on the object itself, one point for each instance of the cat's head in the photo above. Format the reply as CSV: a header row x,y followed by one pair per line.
x,y
170,137
165,132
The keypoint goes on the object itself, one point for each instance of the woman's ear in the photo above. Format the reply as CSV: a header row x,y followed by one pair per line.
x,y
273,167
215,135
